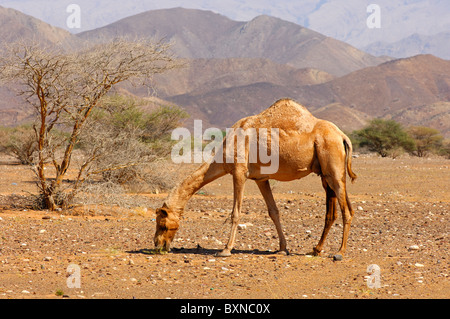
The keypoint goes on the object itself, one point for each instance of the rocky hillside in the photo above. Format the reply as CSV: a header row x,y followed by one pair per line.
x,y
235,69
15,25
204,34
389,90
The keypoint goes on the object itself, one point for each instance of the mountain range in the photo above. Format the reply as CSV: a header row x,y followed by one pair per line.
x,y
237,68
344,20
204,34
419,84
438,45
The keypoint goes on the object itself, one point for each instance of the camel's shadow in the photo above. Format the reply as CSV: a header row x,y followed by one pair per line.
x,y
209,251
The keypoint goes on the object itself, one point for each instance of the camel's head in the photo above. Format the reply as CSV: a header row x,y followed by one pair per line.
x,y
167,223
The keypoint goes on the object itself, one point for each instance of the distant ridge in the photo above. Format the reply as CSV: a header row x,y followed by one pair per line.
x,y
15,25
204,34
419,84
238,68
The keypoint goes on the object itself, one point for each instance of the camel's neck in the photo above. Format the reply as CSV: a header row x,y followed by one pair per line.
x,y
180,195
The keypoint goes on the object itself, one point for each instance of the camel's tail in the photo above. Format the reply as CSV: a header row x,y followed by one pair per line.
x,y
348,158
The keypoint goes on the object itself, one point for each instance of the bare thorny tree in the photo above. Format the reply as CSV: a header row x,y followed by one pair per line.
x,y
64,89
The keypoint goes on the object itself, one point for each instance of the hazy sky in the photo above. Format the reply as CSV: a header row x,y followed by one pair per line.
x,y
341,19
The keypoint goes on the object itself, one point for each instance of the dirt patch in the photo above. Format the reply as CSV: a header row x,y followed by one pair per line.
x,y
401,224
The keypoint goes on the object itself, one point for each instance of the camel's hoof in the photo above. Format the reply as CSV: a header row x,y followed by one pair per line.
x,y
337,257
224,253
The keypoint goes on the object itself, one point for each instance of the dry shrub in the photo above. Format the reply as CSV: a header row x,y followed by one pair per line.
x,y
64,90
124,145
19,142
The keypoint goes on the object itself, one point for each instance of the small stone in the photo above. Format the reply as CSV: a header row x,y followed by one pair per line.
x,y
418,265
413,247
25,292
46,217
360,208
42,231
242,226
337,257
47,258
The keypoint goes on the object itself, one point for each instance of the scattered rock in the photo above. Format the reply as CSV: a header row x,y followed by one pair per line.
x,y
414,247
418,265
337,257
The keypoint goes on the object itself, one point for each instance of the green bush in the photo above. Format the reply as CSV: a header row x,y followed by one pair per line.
x,y
427,140
385,137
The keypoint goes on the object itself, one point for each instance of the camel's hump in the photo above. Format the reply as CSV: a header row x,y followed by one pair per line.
x,y
287,106
285,114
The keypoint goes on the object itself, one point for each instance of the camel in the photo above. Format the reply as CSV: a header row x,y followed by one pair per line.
x,y
306,145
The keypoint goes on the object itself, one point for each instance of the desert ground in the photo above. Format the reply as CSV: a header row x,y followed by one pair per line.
x,y
401,224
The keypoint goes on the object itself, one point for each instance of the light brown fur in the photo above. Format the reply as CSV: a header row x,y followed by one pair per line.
x,y
306,145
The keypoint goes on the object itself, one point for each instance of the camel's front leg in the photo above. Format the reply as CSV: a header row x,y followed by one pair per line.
x,y
238,184
264,187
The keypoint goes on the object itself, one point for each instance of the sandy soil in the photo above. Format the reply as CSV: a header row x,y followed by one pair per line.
x,y
401,224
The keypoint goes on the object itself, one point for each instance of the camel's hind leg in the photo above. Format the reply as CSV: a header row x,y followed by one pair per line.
x,y
333,171
339,188
330,217
238,185
264,187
